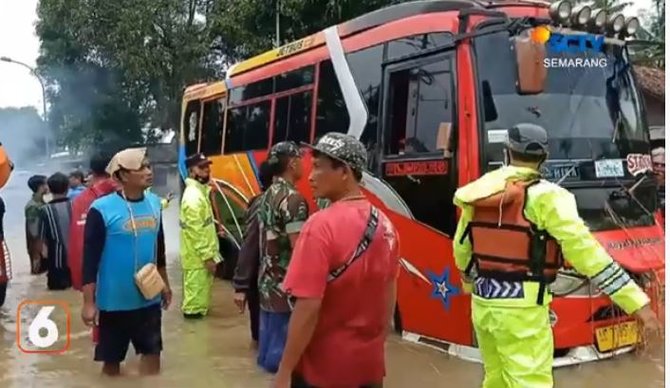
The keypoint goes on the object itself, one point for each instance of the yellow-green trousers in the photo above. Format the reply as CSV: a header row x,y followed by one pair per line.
x,y
516,344
197,291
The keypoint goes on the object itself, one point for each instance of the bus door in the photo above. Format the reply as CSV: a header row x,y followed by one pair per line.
x,y
419,112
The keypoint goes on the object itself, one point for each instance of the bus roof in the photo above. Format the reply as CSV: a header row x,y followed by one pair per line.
x,y
204,91
361,23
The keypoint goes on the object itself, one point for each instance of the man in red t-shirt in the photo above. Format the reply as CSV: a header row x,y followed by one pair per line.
x,y
100,184
342,279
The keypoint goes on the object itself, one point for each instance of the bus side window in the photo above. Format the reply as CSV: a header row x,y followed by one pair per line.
x,y
211,135
247,128
292,118
411,45
366,67
419,112
331,112
421,102
191,123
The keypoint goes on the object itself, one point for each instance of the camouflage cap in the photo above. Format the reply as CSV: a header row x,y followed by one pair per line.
x,y
284,148
345,148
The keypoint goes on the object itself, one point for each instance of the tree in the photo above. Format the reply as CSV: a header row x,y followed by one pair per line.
x,y
116,67
651,52
243,28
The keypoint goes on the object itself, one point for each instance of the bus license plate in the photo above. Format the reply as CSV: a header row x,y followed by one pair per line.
x,y
609,168
617,336
554,172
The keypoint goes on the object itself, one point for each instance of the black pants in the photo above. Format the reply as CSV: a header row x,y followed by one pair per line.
x,y
118,329
253,301
299,382
58,278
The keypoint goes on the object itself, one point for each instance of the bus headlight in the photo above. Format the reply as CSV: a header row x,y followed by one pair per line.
x,y
560,11
616,23
581,14
569,283
598,19
632,24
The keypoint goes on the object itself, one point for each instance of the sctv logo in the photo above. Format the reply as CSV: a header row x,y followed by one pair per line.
x,y
572,44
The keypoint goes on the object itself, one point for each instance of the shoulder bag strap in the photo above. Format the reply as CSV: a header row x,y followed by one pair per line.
x,y
363,245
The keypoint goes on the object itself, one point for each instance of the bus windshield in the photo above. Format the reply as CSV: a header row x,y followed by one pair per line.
x,y
590,113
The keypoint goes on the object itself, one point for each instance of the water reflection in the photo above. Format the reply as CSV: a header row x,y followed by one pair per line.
x,y
217,352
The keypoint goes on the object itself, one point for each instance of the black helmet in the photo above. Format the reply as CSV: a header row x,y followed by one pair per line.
x,y
528,139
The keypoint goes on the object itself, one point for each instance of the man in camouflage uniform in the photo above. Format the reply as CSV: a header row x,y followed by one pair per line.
x,y
282,213
38,261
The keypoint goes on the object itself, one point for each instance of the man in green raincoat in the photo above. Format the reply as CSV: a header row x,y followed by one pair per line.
x,y
510,302
199,242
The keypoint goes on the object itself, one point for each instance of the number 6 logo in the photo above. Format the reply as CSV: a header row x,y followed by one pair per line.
x,y
43,329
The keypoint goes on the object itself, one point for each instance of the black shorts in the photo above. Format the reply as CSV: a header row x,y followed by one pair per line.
x,y
118,329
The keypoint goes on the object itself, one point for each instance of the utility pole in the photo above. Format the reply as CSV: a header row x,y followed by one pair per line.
x,y
44,100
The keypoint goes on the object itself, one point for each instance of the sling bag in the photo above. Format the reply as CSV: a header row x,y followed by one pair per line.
x,y
363,245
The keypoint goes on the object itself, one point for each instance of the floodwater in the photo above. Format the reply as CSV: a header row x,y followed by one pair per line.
x,y
217,352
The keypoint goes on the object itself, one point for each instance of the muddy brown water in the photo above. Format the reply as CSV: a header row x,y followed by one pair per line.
x,y
216,351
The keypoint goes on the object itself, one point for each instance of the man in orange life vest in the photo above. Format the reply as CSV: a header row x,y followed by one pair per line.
x,y
514,232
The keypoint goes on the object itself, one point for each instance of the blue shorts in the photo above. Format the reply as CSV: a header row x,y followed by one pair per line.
x,y
272,339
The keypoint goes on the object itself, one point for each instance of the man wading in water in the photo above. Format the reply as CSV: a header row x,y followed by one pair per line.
x,y
124,233
343,277
54,232
282,213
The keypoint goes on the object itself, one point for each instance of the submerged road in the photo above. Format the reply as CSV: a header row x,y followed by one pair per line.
x,y
216,351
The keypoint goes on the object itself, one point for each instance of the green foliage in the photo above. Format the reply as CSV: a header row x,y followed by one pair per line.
x,y
114,67
652,53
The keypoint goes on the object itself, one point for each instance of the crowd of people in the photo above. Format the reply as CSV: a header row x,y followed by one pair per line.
x,y
320,287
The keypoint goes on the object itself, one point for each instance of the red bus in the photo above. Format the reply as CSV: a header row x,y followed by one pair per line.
x,y
430,88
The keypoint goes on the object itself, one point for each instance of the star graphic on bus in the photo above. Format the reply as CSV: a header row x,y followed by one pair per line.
x,y
442,289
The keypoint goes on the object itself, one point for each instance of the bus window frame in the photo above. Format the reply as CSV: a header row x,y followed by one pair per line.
x,y
225,124
309,117
447,53
225,96
315,101
200,121
272,98
187,129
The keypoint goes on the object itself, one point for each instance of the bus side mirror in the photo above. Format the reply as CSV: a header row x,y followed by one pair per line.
x,y
531,73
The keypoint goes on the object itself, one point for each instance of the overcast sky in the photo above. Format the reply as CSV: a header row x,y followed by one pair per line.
x,y
18,41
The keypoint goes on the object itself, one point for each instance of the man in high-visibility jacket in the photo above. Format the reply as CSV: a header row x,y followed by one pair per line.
x,y
199,248
514,232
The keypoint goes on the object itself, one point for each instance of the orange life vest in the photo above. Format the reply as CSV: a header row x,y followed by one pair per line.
x,y
6,166
506,245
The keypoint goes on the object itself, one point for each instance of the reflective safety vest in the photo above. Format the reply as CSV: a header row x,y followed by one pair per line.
x,y
506,245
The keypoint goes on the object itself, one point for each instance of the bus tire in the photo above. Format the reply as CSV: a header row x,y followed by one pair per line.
x,y
3,293
397,320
